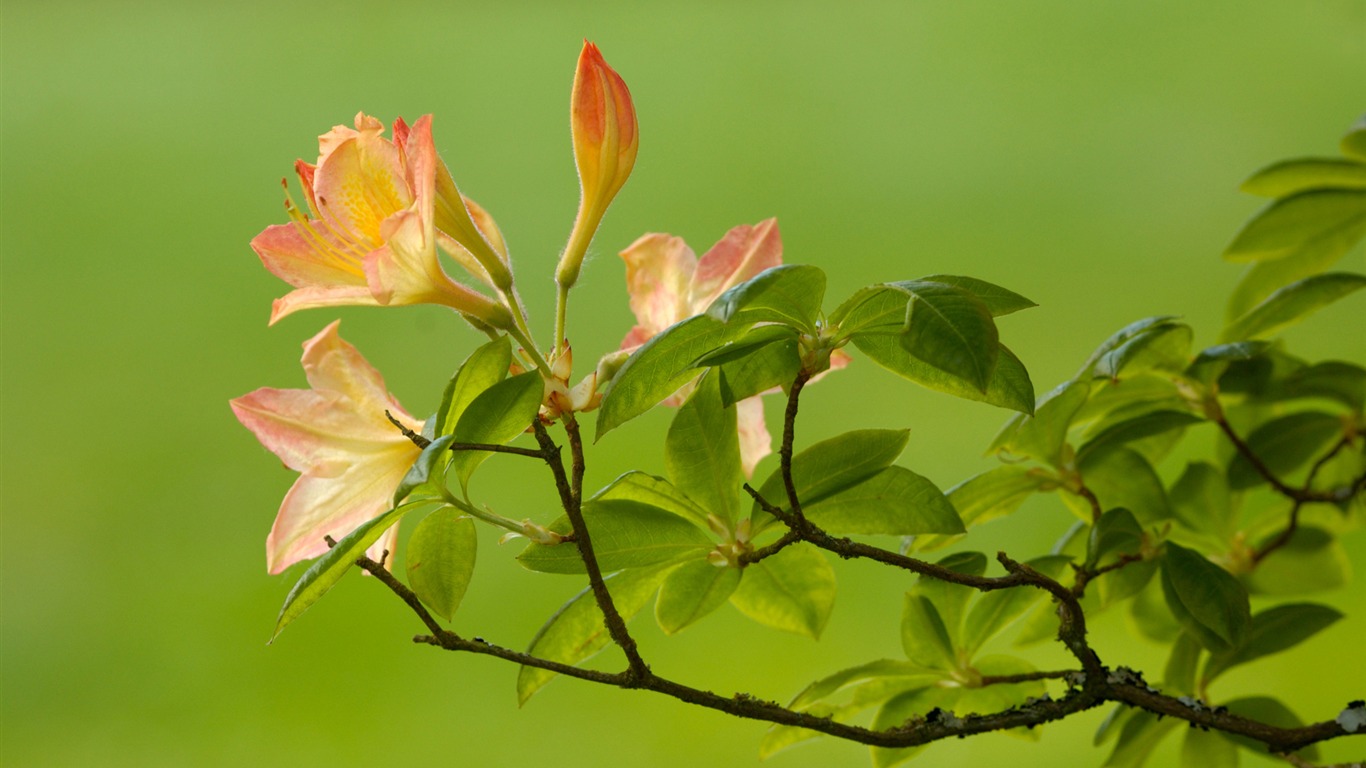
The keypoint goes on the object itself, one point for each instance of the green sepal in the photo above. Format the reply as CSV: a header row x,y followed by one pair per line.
x,y
485,367
577,631
440,559
625,534
1289,177
1283,445
327,570
660,367
702,451
691,591
432,461
1207,600
789,294
1274,630
1288,305
829,467
793,590
496,416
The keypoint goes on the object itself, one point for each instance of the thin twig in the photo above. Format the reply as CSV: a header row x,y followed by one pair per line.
x,y
1293,523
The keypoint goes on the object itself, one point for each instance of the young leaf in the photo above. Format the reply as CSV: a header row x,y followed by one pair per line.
x,y
1315,220
497,415
1272,631
894,501
440,559
691,591
998,300
702,451
654,491
660,367
432,461
1009,387
951,330
831,466
1290,304
485,367
1041,436
924,636
626,534
577,630
1289,177
876,309
1208,602
1284,444
327,570
997,610
789,294
793,590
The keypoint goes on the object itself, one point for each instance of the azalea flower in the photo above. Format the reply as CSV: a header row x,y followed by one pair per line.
x,y
668,283
377,211
336,435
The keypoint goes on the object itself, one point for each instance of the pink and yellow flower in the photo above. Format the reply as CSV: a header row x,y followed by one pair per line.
x,y
668,283
377,211
349,456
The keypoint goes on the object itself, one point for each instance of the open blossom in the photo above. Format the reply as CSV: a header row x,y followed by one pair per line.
x,y
377,211
349,456
668,283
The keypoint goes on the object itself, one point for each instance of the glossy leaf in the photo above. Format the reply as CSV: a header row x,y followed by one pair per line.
x,y
625,534
1289,177
427,472
1042,435
1207,601
1207,749
653,491
951,330
894,501
1009,387
997,610
1318,219
1273,630
789,294
485,367
691,591
793,590
1312,561
1283,445
831,466
497,415
702,451
327,570
440,560
1290,304
997,300
660,368
577,630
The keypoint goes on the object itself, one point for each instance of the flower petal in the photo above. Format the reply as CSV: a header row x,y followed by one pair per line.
x,y
659,269
302,256
755,441
361,182
744,252
320,296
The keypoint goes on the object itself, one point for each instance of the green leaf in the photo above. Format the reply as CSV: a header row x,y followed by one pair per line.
x,y
440,559
660,367
702,451
1211,363
1121,337
1272,631
997,610
1125,583
951,330
577,630
776,365
485,367
1312,221
779,737
998,300
985,497
1201,501
1334,380
1283,445
1313,560
1263,278
1354,141
831,466
1042,435
894,501
1179,676
755,339
1206,749
789,294
431,461
932,613
862,673
903,708
1289,177
1117,532
654,491
793,590
1208,602
327,570
497,415
691,591
1121,477
1270,711
1290,304
1162,347
1137,428
1141,733
625,534
1010,386
1151,617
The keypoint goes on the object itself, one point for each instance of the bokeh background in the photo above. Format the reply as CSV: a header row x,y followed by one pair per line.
x,y
1084,154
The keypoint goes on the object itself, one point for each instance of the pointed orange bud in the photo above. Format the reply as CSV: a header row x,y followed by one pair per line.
x,y
606,137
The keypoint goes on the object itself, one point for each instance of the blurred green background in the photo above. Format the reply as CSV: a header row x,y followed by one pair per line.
x,y
1084,154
